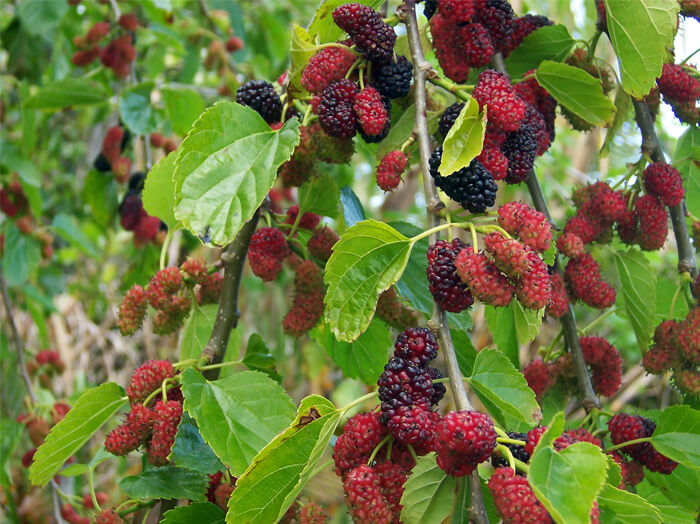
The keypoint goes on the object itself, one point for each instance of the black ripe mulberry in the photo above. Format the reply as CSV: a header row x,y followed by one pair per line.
x,y
261,96
520,148
447,288
393,80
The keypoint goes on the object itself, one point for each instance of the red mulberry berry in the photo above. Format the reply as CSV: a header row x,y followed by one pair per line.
x,y
583,276
121,440
570,245
659,358
308,220
529,225
118,55
372,37
325,67
321,243
85,56
483,278
390,169
605,363
612,206
165,283
688,336
394,312
132,310
147,378
364,498
457,10
447,288
311,513
166,418
677,84
495,162
195,269
688,381
392,477
307,307
559,302
515,500
128,21
267,250
653,223
335,109
109,516
509,255
477,47
533,288
522,27
415,426
97,32
448,43
416,345
371,113
464,439
498,18
505,109
112,143
361,434
664,181
539,377
210,290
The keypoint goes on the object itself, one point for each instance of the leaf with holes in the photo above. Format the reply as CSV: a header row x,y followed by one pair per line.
x,y
237,415
638,293
368,258
428,494
576,90
641,53
225,168
464,140
92,409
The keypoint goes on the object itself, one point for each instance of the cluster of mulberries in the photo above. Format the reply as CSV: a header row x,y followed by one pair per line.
x,y
154,424
676,348
307,307
624,427
392,310
680,88
117,55
468,34
515,267
601,357
133,217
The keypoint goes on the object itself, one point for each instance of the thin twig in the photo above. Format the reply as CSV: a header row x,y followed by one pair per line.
x,y
227,316
407,14
651,145
589,400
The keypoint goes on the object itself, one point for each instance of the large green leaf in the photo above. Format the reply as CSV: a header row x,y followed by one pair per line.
x,y
368,259
183,106
687,160
501,323
21,256
167,482
191,452
498,384
136,110
158,193
237,415
195,513
319,195
225,168
681,486
428,494
527,322
365,357
69,92
638,293
281,469
641,33
576,90
464,140
618,506
92,409
677,435
546,43
41,18
671,513
567,482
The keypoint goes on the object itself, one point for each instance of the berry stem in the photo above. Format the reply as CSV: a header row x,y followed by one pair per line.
x,y
320,468
357,401
691,55
597,321
435,229
629,443
516,442
377,448
438,322
91,485
221,365
489,228
475,240
460,91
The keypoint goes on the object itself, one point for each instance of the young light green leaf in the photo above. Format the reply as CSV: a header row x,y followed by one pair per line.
x,y
279,472
136,110
576,90
464,140
92,409
618,506
527,322
677,435
191,452
638,292
365,357
319,195
686,160
546,43
225,168
301,50
195,513
168,482
69,92
158,193
368,258
237,415
183,106
499,385
623,112
568,481
428,494
641,54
